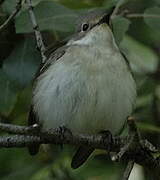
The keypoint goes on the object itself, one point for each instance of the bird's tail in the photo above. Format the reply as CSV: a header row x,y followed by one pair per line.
x,y
81,156
33,149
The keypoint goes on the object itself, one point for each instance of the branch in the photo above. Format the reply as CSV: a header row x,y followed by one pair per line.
x,y
39,39
142,16
11,17
15,129
139,151
127,15
54,137
18,141
116,9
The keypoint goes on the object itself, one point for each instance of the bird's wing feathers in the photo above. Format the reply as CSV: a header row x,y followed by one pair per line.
x,y
32,118
54,56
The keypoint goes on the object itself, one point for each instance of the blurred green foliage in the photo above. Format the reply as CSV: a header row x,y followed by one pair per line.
x,y
137,37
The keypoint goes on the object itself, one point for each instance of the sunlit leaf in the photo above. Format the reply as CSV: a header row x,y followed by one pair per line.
x,y
142,58
22,63
120,26
50,16
154,20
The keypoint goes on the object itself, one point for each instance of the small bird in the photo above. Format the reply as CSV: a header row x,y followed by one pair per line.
x,y
86,85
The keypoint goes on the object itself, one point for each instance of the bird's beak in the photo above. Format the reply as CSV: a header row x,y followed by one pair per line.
x,y
105,19
106,16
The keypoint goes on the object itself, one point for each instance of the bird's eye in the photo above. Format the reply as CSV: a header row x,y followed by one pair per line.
x,y
85,27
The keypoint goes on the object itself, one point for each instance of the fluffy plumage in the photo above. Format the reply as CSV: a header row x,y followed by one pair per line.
x,y
89,88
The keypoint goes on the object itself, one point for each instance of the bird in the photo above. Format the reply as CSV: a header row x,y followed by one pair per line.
x,y
86,85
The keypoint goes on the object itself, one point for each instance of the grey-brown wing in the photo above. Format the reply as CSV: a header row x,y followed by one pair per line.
x,y
32,118
127,62
54,56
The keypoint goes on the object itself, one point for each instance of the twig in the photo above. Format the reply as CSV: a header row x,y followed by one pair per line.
x,y
11,17
55,136
15,129
18,141
39,39
29,136
142,16
116,9
128,170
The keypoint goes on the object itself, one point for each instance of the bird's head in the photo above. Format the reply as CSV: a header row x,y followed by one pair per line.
x,y
92,28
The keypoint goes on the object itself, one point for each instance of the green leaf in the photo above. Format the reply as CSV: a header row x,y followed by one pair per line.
x,y
142,58
148,127
158,92
143,101
19,114
8,6
22,63
157,1
154,21
111,3
120,26
50,16
80,4
8,95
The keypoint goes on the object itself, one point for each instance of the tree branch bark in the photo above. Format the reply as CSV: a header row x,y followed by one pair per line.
x,y
141,151
39,39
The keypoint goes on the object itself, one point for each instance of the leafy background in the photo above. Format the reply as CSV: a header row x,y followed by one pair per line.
x,y
138,38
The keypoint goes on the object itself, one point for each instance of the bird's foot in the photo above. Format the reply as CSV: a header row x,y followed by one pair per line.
x,y
107,139
35,128
134,142
62,130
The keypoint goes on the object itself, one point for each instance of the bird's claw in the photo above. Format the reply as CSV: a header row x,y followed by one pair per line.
x,y
134,142
107,139
62,130
35,128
